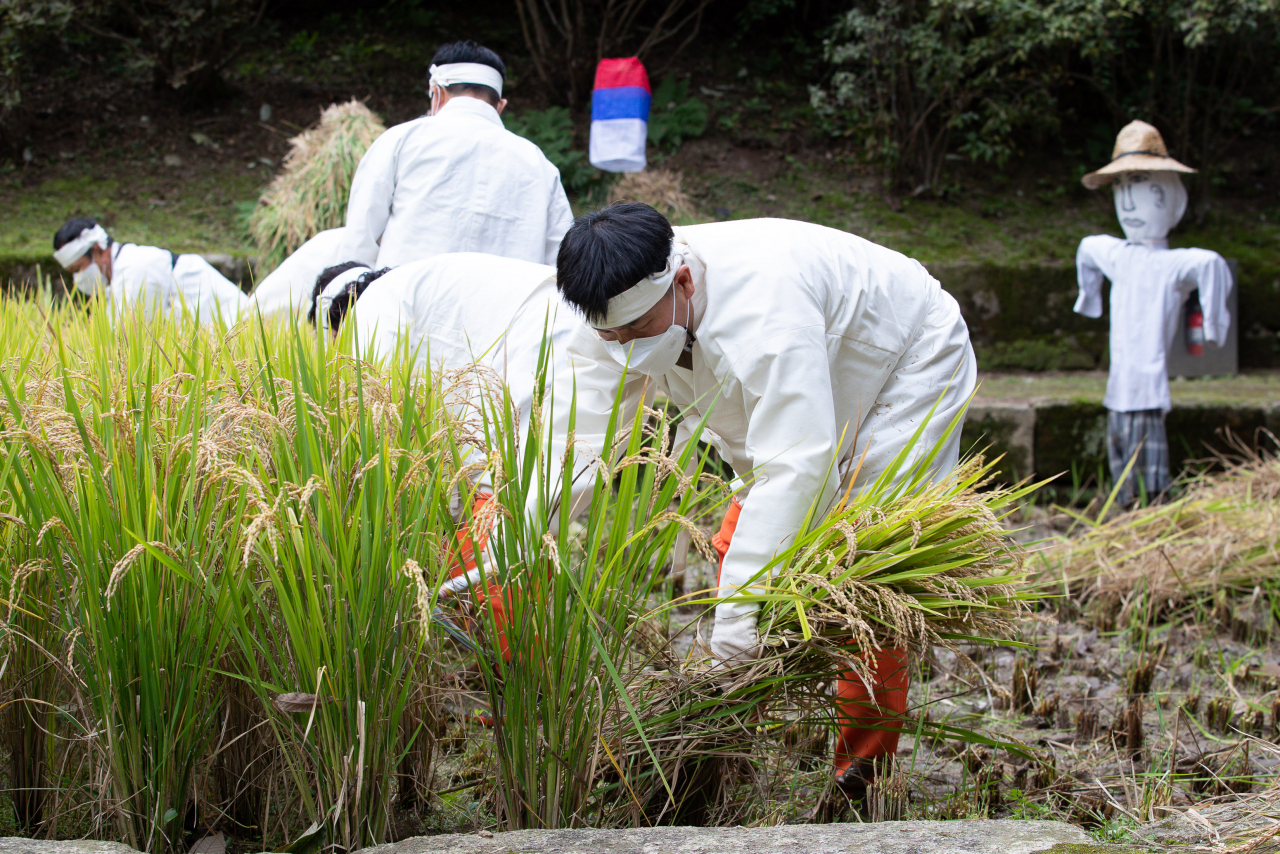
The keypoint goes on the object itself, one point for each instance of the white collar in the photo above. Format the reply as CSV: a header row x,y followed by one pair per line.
x,y
472,106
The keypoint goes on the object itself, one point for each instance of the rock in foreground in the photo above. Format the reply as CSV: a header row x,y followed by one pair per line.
x,y
906,837
19,845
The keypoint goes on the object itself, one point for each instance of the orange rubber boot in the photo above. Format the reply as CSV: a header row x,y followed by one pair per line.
x,y
870,726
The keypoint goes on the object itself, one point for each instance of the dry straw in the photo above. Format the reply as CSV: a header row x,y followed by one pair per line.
x,y
310,193
1220,535
660,188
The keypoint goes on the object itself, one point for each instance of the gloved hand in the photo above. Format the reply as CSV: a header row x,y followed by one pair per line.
x,y
734,638
458,584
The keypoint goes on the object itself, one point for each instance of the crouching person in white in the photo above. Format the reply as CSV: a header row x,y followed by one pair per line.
x,y
159,281
804,347
453,311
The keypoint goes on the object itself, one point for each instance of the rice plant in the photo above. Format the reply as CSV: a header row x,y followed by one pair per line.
x,y
353,506
310,193
103,463
573,598
221,549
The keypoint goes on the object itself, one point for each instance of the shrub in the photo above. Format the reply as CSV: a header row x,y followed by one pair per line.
x,y
675,116
552,131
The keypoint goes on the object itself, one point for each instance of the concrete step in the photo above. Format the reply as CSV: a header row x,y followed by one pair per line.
x,y
897,837
1055,424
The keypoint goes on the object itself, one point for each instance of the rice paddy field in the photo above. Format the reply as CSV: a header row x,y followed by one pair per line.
x,y
219,615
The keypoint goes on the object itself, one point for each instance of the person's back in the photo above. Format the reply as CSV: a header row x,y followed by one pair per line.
x,y
462,308
288,287
457,180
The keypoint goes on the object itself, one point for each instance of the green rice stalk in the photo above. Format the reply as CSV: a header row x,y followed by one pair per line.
x,y
310,193
576,596
353,505
108,475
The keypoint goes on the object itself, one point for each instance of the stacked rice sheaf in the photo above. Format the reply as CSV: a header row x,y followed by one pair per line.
x,y
310,193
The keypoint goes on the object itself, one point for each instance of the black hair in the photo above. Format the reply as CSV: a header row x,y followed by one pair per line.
x,y
347,296
608,251
468,51
71,231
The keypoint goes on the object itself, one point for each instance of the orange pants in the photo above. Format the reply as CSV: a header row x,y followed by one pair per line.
x,y
869,721
494,595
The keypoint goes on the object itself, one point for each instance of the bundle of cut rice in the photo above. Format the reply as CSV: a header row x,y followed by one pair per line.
x,y
660,188
310,193
904,563
1221,535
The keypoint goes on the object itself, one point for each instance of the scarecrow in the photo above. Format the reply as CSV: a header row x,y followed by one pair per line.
x,y
1153,288
456,180
155,279
816,358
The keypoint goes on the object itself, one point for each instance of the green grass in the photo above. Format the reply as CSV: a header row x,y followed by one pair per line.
x,y
992,222
183,209
1253,389
995,222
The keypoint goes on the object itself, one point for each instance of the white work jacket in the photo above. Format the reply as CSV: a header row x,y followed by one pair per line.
x,y
813,345
166,284
290,287
455,182
1149,287
462,308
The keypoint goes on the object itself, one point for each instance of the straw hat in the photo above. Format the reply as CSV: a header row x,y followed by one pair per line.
x,y
1139,148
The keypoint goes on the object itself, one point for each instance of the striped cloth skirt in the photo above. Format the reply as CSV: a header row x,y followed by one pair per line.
x,y
1138,436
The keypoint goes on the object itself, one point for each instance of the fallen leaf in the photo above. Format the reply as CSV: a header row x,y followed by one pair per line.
x,y
297,701
214,843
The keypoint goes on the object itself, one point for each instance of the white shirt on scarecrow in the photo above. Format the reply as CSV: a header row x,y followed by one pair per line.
x,y
1149,287
455,181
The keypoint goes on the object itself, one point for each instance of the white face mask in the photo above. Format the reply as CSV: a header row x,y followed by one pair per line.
x,y
1149,204
656,355
90,280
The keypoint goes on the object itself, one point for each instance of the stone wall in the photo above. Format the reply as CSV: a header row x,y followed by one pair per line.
x,y
1068,438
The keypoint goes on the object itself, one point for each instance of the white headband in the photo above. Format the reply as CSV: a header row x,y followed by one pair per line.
x,y
73,250
639,298
332,291
466,72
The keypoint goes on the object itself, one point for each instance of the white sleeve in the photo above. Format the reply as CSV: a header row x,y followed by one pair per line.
x,y
1089,275
559,218
369,204
1209,272
793,442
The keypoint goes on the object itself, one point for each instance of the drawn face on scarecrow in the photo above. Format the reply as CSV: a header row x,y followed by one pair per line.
x,y
1149,204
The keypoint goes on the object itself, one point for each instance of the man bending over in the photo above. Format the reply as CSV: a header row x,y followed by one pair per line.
x,y
156,279
806,348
